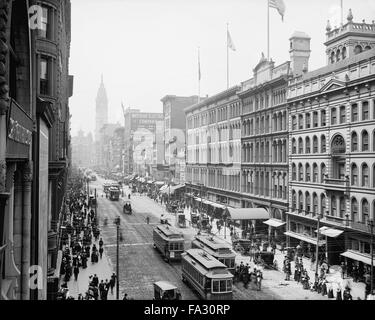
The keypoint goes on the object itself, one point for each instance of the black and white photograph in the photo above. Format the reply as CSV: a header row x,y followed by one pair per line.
x,y
189,150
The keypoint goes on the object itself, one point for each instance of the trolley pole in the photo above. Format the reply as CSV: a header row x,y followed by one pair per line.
x,y
317,250
371,223
117,222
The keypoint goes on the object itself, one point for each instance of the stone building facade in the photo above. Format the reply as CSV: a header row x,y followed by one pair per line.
x,y
332,147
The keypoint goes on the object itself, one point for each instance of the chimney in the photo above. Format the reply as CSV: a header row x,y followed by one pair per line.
x,y
299,52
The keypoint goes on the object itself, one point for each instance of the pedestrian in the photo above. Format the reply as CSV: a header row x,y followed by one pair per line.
x,y
259,279
338,294
101,242
95,280
125,297
347,295
101,289
343,269
101,252
112,282
76,272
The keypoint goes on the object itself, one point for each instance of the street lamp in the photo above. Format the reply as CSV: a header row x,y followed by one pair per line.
x,y
117,223
317,248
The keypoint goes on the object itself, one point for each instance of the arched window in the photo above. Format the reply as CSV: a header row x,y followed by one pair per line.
x,y
332,58
354,142
315,204
308,145
333,116
338,55
323,144
343,53
365,143
294,172
322,172
308,120
294,146
365,176
300,121
333,206
315,173
294,200
300,172
308,173
308,203
342,207
358,49
365,111
315,119
315,144
367,48
354,210
300,202
354,175
365,211
323,204
300,146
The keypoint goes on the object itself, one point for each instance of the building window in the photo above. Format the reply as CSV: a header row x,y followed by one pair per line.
x,y
342,114
354,142
333,116
322,172
300,202
354,175
365,211
315,173
308,173
294,123
315,119
333,206
323,144
315,204
308,120
308,203
315,145
300,172
365,176
365,144
342,207
294,201
294,146
300,121
365,111
354,113
44,31
294,172
322,204
323,118
354,210
44,76
308,145
300,146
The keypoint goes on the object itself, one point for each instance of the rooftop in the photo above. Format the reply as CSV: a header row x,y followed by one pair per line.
x,y
208,261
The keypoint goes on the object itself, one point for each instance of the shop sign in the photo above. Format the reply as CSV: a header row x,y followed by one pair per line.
x,y
19,133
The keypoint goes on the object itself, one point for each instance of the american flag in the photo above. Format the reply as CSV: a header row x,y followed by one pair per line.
x,y
279,5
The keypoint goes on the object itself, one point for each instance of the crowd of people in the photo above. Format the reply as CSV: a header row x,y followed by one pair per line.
x,y
78,246
243,273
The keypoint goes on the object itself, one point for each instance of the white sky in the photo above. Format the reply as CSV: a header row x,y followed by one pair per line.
x,y
147,49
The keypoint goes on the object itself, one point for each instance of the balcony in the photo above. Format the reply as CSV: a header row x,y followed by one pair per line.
x,y
340,185
359,226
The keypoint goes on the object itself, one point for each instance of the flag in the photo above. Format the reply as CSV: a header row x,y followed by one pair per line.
x,y
199,66
230,42
279,5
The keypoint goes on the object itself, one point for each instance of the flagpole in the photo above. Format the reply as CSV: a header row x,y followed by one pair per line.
x,y
268,30
227,59
342,13
199,77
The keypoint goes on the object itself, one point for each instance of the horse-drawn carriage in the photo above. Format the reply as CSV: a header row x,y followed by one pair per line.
x,y
242,246
127,209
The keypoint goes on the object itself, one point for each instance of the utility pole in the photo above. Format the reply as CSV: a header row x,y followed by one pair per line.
x,y
117,222
371,224
96,205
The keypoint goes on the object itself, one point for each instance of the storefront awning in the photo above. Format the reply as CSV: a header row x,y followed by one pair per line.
x,y
330,232
304,238
248,214
172,189
357,256
274,223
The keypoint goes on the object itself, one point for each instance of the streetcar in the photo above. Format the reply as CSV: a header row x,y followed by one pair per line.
x,y
207,275
114,194
169,241
218,249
